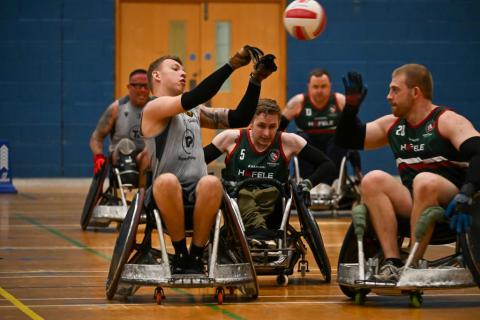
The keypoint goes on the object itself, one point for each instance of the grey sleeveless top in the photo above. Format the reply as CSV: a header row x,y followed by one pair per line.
x,y
127,125
178,148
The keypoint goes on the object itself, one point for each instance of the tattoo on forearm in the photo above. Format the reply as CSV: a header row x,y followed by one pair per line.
x,y
215,118
105,123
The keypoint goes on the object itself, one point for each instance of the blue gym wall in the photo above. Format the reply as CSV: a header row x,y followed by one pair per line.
x,y
57,77
376,36
57,68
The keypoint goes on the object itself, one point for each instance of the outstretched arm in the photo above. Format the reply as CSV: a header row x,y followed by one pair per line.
x,y
222,118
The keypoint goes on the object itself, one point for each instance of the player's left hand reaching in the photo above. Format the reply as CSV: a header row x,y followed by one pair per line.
x,y
264,67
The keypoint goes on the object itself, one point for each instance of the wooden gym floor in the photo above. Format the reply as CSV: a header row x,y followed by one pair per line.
x,y
51,269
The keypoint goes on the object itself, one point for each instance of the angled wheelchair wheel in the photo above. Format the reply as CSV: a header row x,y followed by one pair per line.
x,y
239,245
470,244
349,254
312,234
124,244
93,196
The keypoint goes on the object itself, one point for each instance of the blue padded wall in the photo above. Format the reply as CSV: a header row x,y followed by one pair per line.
x,y
57,68
376,36
57,60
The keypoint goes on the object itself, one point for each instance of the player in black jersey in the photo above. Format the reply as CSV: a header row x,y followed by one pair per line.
x,y
437,153
316,114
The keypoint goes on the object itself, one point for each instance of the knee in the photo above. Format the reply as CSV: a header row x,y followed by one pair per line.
x,y
166,184
425,185
210,185
373,181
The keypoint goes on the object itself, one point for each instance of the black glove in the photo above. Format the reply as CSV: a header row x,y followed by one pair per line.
x,y
305,186
244,56
355,91
264,67
458,210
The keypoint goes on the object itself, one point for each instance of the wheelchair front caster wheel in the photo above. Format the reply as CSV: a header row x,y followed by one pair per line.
x,y
159,295
282,280
360,298
416,299
219,295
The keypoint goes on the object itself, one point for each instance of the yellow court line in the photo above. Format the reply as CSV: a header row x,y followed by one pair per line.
x,y
29,312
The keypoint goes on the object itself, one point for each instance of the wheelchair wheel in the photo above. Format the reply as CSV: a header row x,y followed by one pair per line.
x,y
124,244
349,254
312,234
240,245
470,245
93,196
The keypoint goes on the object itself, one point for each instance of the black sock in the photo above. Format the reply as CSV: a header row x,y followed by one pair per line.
x,y
395,261
196,252
180,247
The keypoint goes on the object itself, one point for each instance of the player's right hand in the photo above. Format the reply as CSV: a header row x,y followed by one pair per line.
x,y
98,162
355,90
244,56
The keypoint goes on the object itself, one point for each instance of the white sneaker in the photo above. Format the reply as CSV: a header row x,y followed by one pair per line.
x,y
388,272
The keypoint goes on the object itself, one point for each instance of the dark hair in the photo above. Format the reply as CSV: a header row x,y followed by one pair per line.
x,y
268,106
417,75
137,71
318,72
155,64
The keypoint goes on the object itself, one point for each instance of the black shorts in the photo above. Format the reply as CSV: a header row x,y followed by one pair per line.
x,y
188,196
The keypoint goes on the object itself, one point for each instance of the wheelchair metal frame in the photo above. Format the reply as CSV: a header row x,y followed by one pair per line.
x,y
101,208
151,266
281,261
356,281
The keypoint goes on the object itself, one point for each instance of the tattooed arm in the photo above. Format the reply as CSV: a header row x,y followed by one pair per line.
x,y
214,118
104,127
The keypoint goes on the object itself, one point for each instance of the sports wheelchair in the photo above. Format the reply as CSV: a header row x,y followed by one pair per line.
x,y
343,194
361,255
103,207
136,264
290,247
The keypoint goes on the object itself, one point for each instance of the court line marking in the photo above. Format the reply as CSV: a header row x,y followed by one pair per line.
x,y
19,305
61,235
77,243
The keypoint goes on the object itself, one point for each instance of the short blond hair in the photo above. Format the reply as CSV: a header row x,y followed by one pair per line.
x,y
417,75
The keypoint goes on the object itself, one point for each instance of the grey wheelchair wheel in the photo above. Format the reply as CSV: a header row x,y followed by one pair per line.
x,y
124,244
311,232
93,196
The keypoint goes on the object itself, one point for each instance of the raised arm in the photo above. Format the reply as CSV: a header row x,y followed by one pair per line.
x,y
221,118
292,110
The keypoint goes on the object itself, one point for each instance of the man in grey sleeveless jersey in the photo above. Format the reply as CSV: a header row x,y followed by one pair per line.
x,y
437,153
171,127
122,120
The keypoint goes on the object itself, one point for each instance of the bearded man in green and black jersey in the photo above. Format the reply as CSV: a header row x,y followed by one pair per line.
x,y
437,152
